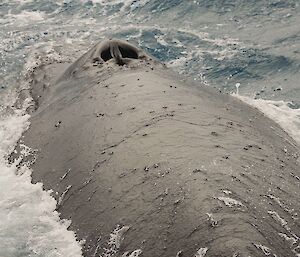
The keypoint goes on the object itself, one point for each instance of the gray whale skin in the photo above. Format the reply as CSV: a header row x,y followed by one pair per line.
x,y
147,163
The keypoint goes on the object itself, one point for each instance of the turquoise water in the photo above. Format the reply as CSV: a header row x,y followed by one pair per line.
x,y
254,43
249,44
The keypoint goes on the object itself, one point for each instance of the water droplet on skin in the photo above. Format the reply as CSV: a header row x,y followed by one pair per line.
x,y
57,125
177,201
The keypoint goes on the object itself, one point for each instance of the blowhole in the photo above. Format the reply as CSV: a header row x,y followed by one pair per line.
x,y
106,55
128,52
123,51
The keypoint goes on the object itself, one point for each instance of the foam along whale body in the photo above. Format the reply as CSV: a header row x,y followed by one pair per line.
x,y
145,162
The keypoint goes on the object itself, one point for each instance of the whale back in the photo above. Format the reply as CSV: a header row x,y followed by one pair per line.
x,y
168,166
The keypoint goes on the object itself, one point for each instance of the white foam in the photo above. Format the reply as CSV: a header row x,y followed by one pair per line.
x,y
160,39
280,112
133,4
29,224
27,16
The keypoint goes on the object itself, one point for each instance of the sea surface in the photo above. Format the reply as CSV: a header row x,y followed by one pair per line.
x,y
248,48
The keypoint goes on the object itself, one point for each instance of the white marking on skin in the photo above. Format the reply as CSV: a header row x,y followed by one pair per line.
x,y
135,253
179,254
114,243
294,238
282,221
296,251
230,202
66,174
291,240
212,220
60,199
264,249
281,204
227,192
276,216
117,236
201,252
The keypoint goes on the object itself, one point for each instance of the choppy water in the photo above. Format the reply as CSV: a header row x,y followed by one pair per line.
x,y
249,44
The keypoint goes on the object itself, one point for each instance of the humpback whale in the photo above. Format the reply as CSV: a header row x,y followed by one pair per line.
x,y
145,162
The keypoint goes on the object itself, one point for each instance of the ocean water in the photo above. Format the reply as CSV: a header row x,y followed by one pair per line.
x,y
248,48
